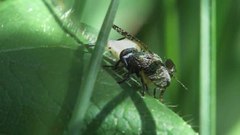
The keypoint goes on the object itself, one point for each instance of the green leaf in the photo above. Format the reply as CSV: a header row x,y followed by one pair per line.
x,y
121,109
40,74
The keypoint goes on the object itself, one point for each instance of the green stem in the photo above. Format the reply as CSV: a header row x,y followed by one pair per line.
x,y
94,66
208,68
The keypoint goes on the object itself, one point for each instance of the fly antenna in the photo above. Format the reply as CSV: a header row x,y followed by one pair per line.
x,y
130,37
180,83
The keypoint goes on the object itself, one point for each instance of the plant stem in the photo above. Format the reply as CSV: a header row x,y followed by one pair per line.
x,y
208,68
94,66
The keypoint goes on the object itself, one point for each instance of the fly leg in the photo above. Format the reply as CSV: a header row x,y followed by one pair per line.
x,y
126,77
154,92
114,67
145,87
161,90
121,38
90,45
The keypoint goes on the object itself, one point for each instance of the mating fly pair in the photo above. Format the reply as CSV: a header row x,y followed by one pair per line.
x,y
137,59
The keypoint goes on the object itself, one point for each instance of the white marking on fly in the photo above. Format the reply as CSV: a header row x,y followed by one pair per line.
x,y
128,55
117,46
125,57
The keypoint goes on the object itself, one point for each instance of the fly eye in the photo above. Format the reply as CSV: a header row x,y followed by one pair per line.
x,y
170,65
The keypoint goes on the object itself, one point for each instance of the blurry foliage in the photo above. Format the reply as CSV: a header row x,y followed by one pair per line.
x,y
228,93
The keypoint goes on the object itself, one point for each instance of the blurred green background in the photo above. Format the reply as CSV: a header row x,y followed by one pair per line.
x,y
171,28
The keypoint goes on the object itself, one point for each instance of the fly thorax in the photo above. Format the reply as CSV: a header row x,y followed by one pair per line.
x,y
126,55
128,58
152,67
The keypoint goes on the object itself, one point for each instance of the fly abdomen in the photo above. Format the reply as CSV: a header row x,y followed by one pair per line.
x,y
161,78
162,83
